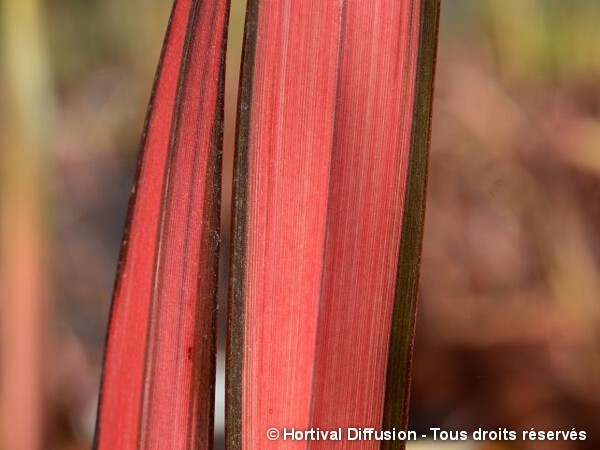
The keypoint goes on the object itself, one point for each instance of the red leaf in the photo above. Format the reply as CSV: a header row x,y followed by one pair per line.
x,y
158,378
329,187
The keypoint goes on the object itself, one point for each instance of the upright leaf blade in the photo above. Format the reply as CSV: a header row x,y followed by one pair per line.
x,y
330,173
287,102
158,378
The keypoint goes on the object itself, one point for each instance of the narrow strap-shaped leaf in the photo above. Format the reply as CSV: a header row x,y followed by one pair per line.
x,y
158,375
329,181
285,133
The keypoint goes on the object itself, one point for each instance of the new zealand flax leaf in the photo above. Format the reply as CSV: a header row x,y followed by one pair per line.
x,y
333,131
158,376
330,173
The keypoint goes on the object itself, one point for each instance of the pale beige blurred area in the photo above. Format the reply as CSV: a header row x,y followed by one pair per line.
x,y
509,322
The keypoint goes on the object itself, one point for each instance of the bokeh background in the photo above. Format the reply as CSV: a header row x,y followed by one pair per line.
x,y
509,322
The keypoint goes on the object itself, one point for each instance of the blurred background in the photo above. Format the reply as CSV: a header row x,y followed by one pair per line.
x,y
509,322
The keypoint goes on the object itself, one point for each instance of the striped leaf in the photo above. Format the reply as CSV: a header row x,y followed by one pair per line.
x,y
329,184
158,376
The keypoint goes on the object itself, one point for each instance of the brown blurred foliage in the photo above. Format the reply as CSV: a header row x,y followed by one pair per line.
x,y
508,331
